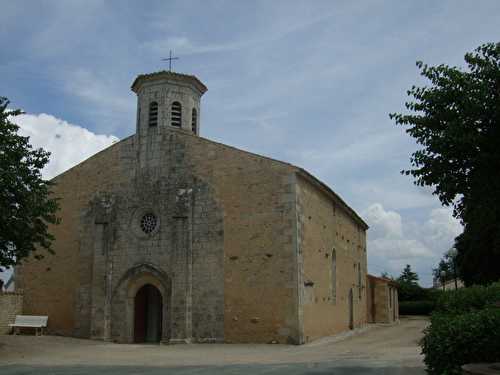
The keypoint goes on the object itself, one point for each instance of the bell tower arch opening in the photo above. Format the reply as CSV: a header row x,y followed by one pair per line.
x,y
148,315
168,100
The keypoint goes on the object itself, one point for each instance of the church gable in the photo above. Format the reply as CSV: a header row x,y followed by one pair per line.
x,y
175,238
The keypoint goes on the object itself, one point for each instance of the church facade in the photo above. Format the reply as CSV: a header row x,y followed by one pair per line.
x,y
169,237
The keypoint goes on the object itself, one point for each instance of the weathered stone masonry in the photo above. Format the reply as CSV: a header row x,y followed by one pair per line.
x,y
382,301
329,229
184,252
232,238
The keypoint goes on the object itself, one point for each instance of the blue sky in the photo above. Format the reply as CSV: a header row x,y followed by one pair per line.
x,y
308,82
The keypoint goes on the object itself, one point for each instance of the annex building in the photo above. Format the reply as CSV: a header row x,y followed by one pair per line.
x,y
170,237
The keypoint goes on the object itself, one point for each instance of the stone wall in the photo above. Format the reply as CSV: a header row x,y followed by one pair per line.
x,y
242,251
165,92
332,242
222,253
449,284
260,276
184,252
11,304
51,285
370,303
382,304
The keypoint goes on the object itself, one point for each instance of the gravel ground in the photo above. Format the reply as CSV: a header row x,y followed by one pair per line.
x,y
379,349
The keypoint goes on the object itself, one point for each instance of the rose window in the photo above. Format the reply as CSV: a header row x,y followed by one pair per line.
x,y
148,223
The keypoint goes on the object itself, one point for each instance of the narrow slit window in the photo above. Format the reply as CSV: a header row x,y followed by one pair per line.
x,y
153,114
176,115
194,120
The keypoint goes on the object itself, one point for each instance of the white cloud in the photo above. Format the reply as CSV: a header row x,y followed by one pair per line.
x,y
393,243
396,192
383,223
69,144
387,238
440,228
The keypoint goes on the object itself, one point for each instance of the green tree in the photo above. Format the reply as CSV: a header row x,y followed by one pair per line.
x,y
409,290
447,267
408,276
26,208
443,271
456,121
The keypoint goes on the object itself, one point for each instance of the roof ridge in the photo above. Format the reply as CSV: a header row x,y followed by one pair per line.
x,y
167,73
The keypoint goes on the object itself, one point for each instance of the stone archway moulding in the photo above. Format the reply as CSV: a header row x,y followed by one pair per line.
x,y
128,286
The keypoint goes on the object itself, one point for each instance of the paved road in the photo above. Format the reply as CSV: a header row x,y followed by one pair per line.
x,y
378,350
288,369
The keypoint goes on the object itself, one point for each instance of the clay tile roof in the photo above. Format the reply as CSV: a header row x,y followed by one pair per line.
x,y
168,75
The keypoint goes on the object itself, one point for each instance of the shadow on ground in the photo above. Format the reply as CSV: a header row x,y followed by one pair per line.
x,y
288,369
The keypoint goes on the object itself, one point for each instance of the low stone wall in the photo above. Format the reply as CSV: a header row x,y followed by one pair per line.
x,y
11,304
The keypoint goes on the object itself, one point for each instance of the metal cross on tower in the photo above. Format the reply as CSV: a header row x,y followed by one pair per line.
x,y
169,59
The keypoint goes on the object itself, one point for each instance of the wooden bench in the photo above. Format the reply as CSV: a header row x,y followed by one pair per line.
x,y
30,321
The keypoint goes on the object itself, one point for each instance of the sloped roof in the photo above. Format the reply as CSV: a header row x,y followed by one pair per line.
x,y
321,185
384,280
165,74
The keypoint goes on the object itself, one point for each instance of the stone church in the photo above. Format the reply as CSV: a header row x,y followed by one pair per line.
x,y
170,237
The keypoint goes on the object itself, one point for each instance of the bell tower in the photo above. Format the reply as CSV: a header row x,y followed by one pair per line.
x,y
167,100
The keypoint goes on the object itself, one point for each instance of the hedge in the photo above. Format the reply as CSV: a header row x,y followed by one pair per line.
x,y
468,299
465,328
453,340
416,307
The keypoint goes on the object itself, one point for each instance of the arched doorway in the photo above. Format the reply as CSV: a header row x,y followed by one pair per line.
x,y
148,316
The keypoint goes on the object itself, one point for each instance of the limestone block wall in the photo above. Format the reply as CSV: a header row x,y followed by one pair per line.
x,y
393,305
260,274
165,95
50,285
382,304
184,254
11,304
381,298
370,299
241,282
332,244
243,251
